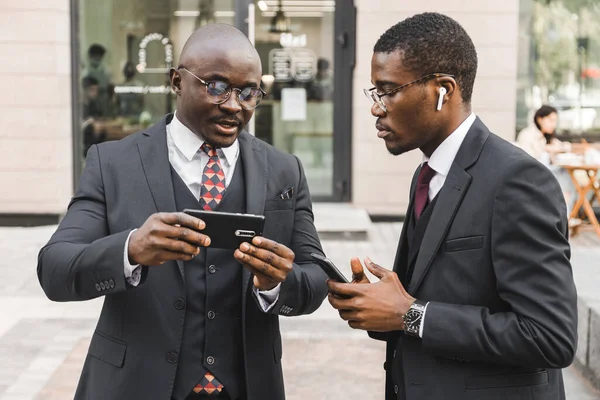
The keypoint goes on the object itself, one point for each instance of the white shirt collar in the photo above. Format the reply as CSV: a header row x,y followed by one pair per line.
x,y
189,143
442,158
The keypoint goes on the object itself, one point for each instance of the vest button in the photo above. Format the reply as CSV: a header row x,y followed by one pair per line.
x,y
172,357
211,315
396,389
212,269
179,304
210,360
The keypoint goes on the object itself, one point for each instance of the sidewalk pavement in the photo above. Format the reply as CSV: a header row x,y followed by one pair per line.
x,y
43,344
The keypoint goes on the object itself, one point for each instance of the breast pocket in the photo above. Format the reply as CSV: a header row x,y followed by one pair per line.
x,y
464,243
279,220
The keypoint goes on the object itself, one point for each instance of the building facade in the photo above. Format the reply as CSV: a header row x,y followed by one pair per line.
x,y
84,71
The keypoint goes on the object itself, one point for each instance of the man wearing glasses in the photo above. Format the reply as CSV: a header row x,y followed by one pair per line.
x,y
480,302
182,321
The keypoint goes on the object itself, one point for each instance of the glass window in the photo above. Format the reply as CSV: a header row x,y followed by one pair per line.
x,y
559,64
126,50
295,43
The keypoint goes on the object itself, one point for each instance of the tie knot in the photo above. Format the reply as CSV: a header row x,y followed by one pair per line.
x,y
426,174
208,149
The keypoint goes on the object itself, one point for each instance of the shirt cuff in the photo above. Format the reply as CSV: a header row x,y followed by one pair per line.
x,y
267,298
422,322
132,272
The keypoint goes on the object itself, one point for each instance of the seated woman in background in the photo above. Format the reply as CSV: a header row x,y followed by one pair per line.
x,y
539,141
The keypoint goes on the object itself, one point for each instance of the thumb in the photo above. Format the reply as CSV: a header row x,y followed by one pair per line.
x,y
375,269
358,273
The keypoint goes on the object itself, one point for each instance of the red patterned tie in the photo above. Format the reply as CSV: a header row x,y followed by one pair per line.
x,y
422,193
208,385
212,188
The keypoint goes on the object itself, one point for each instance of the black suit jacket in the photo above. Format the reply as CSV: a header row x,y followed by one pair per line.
x,y
494,266
133,350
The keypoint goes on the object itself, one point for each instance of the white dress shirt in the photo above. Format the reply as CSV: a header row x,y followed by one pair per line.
x,y
189,161
440,161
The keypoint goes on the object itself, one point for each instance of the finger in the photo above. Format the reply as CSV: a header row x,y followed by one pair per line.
x,y
375,269
258,266
175,246
182,219
271,245
345,289
358,273
337,302
267,256
165,255
182,233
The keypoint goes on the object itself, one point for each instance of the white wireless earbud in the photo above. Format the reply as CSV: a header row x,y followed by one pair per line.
x,y
441,98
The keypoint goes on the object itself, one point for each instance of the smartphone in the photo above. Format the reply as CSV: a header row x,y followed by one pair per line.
x,y
329,267
229,230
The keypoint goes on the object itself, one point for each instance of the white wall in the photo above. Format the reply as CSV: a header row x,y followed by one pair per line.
x,y
35,121
381,181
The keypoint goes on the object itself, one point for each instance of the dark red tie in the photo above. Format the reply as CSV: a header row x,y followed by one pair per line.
x,y
422,193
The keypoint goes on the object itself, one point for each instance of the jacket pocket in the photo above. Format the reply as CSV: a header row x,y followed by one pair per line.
x,y
465,243
279,204
503,381
107,349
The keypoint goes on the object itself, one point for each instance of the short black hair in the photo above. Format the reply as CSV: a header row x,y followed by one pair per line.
x,y
433,42
96,50
543,111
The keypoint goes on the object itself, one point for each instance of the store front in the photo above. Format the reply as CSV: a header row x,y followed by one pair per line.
x,y
124,49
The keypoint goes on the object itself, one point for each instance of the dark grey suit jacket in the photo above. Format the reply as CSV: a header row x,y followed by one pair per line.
x,y
124,183
494,267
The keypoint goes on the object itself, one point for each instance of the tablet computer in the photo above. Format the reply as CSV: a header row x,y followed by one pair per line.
x,y
229,230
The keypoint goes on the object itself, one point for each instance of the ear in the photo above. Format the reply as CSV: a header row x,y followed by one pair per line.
x,y
175,78
447,88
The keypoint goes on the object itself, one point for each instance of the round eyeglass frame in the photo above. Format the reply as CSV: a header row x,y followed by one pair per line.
x,y
228,90
378,97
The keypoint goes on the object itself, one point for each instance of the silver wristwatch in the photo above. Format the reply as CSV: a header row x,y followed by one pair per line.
x,y
413,317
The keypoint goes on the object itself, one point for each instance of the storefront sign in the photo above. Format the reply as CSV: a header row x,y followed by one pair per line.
x,y
142,66
162,89
280,64
291,64
289,40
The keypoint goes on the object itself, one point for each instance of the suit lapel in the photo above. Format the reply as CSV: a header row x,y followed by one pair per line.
x,y
154,156
445,209
254,158
448,201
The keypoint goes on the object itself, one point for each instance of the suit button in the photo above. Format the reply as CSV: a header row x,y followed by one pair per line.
x,y
396,389
211,315
172,357
111,284
179,304
212,269
394,354
210,360
98,288
102,285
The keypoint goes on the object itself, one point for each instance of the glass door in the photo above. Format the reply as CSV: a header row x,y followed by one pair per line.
x,y
306,73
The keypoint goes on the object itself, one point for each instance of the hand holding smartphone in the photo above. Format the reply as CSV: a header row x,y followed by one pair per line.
x,y
229,230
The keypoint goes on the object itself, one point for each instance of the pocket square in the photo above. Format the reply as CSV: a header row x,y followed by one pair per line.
x,y
287,193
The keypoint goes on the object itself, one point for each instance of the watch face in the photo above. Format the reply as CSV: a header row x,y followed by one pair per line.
x,y
412,319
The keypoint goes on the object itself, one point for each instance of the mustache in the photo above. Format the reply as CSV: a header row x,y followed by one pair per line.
x,y
226,120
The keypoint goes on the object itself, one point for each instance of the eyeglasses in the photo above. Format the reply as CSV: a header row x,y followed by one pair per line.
x,y
378,97
219,92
